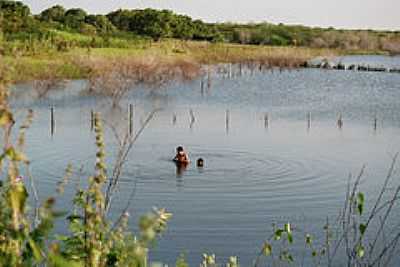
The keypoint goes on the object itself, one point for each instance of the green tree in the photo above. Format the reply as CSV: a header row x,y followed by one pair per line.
x,y
182,27
121,19
101,23
15,16
153,23
75,17
55,13
16,8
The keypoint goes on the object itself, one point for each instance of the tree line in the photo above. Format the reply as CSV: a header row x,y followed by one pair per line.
x,y
16,18
18,22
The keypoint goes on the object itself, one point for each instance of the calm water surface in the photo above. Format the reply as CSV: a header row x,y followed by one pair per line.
x,y
254,175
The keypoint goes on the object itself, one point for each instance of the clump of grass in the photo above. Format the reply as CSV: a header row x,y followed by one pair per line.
x,y
271,56
392,45
49,79
32,68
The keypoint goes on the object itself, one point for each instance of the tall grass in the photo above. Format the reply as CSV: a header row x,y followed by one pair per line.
x,y
68,64
27,238
114,77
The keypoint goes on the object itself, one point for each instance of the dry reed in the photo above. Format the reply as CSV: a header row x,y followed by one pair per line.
x,y
115,77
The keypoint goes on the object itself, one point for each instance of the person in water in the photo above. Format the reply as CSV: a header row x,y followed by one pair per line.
x,y
200,163
181,156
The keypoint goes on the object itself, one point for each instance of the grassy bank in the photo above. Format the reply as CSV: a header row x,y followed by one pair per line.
x,y
51,45
68,65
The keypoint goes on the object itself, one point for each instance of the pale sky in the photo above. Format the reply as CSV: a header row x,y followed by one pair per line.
x,y
363,14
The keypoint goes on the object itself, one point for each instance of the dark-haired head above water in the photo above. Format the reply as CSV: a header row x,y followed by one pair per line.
x,y
181,156
200,162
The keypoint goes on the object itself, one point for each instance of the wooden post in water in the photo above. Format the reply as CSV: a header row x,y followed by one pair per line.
x,y
266,121
192,119
340,121
174,119
95,118
130,119
52,121
92,120
375,123
308,120
202,86
227,119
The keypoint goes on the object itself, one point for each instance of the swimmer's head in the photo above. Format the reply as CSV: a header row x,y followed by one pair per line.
x,y
200,162
179,150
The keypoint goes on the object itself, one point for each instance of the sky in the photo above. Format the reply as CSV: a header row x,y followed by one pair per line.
x,y
354,14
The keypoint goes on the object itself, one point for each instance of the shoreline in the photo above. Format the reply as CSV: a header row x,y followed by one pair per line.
x,y
69,65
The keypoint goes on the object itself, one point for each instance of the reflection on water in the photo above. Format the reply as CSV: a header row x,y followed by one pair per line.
x,y
278,147
180,169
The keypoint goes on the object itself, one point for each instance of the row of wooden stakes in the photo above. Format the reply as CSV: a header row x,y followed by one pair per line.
x,y
92,120
192,120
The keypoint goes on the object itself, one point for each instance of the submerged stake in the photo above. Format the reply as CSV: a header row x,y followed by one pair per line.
x,y
174,119
266,121
130,119
92,120
340,121
52,121
209,78
227,118
192,119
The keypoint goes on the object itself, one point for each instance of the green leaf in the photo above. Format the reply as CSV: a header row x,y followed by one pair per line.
x,y
360,198
308,239
267,249
360,201
362,228
278,234
10,153
18,196
288,228
360,251
290,238
36,250
5,118
314,253
360,208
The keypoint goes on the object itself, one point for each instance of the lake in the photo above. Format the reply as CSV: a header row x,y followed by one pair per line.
x,y
257,172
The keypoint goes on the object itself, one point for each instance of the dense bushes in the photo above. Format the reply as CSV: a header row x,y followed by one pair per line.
x,y
283,35
18,23
162,24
